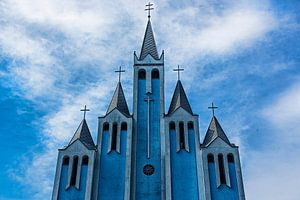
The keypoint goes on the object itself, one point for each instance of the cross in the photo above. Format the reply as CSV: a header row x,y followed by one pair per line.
x,y
149,9
120,71
84,111
178,70
148,99
213,108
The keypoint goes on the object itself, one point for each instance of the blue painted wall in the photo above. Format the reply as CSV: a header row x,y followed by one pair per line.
x,y
148,187
223,192
72,192
184,169
112,169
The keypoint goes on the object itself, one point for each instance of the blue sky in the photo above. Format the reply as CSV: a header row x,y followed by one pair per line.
x,y
56,56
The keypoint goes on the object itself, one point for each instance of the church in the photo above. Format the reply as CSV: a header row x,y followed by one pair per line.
x,y
149,153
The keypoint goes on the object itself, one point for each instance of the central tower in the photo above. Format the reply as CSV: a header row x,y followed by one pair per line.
x,y
148,113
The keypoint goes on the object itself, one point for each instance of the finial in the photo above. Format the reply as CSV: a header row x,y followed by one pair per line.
x,y
178,70
149,9
213,108
84,111
120,71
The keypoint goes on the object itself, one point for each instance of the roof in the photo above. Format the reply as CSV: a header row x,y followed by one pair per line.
x,y
149,46
179,99
118,101
83,134
214,131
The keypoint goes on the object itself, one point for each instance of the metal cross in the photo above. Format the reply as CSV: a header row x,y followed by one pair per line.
x,y
120,71
148,99
149,9
178,70
84,111
213,108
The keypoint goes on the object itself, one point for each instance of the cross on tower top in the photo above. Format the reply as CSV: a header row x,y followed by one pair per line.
x,y
149,9
178,70
84,111
120,71
212,107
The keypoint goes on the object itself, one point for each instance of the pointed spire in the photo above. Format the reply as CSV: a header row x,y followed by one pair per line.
x,y
118,101
214,131
179,99
83,134
149,46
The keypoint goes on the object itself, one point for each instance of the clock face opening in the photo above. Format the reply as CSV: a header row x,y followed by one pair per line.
x,y
148,170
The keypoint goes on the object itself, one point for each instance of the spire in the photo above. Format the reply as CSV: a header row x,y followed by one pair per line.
x,y
214,131
118,101
83,134
179,99
149,46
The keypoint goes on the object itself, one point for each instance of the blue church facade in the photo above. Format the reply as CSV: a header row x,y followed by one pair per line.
x,y
149,154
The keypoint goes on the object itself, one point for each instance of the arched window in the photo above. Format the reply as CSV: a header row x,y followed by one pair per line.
x,y
124,126
210,158
230,158
155,74
181,135
114,137
142,74
221,169
172,125
74,171
190,125
85,160
66,160
105,126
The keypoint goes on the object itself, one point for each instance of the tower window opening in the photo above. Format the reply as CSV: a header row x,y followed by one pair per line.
x,y
105,126
155,74
190,125
221,169
181,135
74,171
230,158
85,160
124,126
210,158
172,126
114,137
66,160
142,74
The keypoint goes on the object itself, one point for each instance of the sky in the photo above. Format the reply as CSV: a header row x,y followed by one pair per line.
x,y
57,56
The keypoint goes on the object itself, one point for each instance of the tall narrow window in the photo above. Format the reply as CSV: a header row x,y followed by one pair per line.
x,y
114,137
172,126
221,169
210,158
155,74
124,126
142,74
66,160
105,126
230,158
190,125
181,135
85,160
74,171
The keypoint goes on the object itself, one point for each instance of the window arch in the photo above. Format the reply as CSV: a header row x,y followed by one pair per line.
x,y
221,169
114,136
142,74
181,135
85,160
190,125
155,74
210,158
230,158
172,125
124,126
106,126
74,171
66,160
